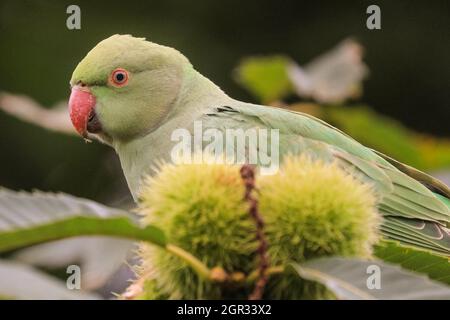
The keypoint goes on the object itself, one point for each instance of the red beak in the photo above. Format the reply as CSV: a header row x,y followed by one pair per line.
x,y
81,105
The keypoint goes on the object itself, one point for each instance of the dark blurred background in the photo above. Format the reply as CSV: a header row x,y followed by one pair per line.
x,y
408,60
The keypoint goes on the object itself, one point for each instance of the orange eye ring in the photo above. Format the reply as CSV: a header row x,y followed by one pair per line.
x,y
119,77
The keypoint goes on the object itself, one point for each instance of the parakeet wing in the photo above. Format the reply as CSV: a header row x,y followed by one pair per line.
x,y
415,206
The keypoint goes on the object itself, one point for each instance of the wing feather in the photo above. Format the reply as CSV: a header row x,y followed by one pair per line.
x,y
412,212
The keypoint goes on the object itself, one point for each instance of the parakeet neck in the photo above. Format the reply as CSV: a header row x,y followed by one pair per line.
x,y
139,156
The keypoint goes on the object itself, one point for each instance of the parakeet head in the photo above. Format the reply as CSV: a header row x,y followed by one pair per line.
x,y
125,87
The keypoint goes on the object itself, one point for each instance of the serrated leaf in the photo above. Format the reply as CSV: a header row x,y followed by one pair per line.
x,y
350,279
31,218
436,267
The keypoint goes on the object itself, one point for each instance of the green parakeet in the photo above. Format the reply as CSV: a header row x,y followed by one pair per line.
x,y
133,95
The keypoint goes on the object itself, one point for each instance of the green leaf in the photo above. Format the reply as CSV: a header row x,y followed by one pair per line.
x,y
436,267
19,281
32,218
349,279
265,77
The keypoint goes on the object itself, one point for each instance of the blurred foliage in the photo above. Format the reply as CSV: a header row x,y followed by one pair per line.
x,y
265,77
361,122
20,281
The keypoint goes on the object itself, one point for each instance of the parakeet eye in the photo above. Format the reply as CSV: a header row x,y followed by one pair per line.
x,y
119,77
